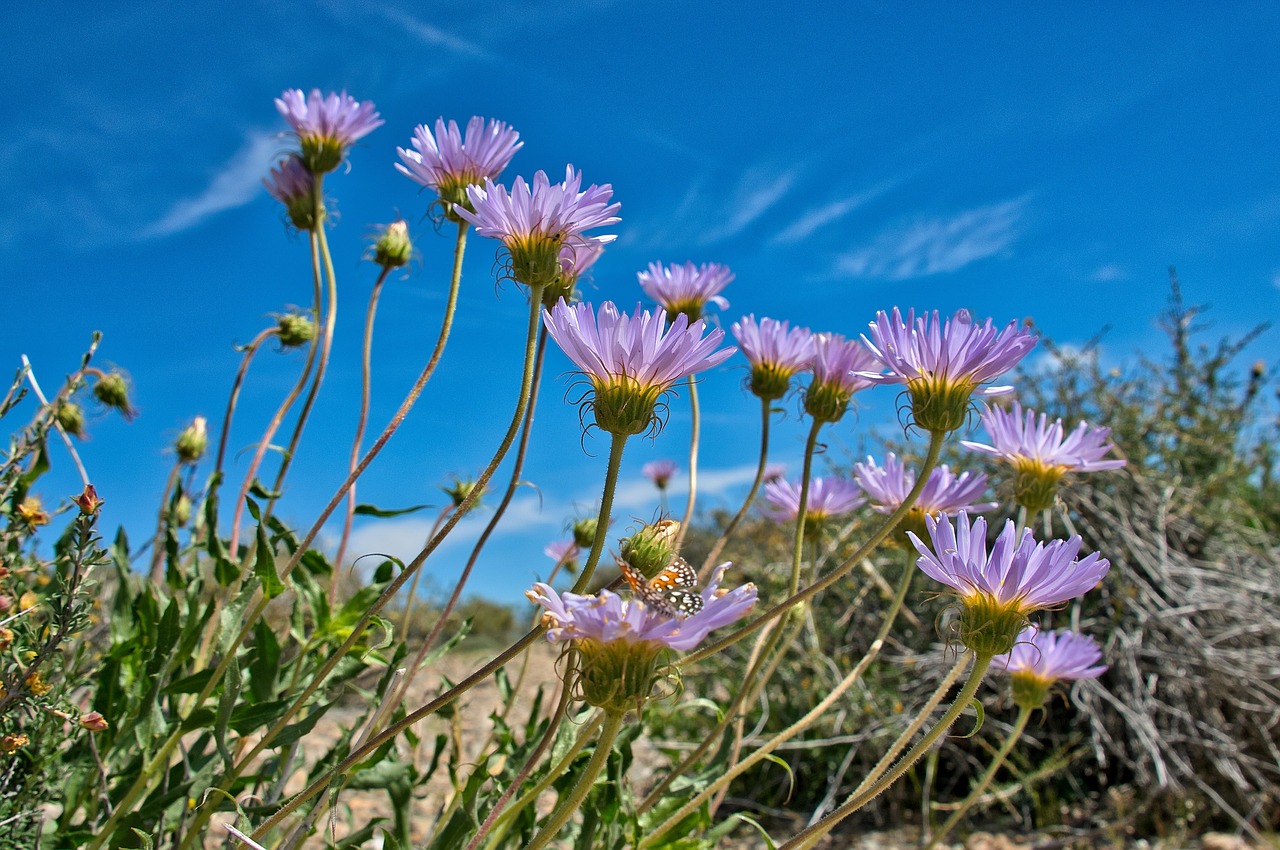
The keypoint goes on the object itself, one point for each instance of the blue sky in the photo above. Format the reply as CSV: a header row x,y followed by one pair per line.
x,y
841,158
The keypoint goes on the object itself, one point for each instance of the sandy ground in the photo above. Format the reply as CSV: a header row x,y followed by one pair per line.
x,y
354,809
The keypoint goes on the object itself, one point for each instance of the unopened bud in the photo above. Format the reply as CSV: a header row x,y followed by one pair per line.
x,y
393,248
460,490
294,329
182,510
112,390
70,418
94,722
88,501
584,532
193,441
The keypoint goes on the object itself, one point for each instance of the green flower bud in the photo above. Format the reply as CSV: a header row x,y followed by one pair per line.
x,y
393,248
650,549
619,675
295,329
70,418
460,489
193,441
584,532
113,391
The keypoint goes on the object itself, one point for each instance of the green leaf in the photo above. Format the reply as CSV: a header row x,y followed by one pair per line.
x,y
226,705
192,684
371,510
264,566
265,664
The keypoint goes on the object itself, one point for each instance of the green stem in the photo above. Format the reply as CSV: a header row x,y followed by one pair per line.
x,y
566,808
808,836
503,821
618,443
322,366
1024,714
162,523
751,495
250,351
800,725
935,447
695,428
797,554
366,379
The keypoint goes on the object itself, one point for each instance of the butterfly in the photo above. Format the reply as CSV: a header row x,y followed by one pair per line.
x,y
668,591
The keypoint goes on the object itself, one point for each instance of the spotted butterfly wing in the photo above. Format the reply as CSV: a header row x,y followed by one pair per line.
x,y
668,590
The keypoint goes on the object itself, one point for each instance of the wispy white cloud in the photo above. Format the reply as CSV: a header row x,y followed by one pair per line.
x,y
434,36
815,219
235,184
757,192
1108,273
935,245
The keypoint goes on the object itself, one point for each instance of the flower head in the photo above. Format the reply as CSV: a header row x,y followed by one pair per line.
x,y
839,370
944,492
827,498
631,361
449,163
535,222
293,185
393,248
1041,659
622,640
193,441
577,255
998,589
686,289
1041,452
326,126
776,352
943,364
660,472
112,390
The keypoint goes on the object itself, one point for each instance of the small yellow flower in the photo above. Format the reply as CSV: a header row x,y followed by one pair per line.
x,y
37,685
32,512
11,743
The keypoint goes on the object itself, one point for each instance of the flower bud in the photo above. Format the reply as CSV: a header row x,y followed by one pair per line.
x,y
295,329
650,549
182,510
70,417
460,490
193,441
88,501
94,722
113,391
393,248
584,532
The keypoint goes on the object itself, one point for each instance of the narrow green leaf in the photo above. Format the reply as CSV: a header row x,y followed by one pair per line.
x,y
371,510
264,566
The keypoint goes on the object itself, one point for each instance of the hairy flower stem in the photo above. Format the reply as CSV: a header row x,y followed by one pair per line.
x,y
716,547
797,553
160,760
810,835
162,522
315,353
544,743
394,586
412,595
606,507
50,410
695,428
517,469
1024,714
796,728
584,737
931,458
322,364
570,804
366,379
250,351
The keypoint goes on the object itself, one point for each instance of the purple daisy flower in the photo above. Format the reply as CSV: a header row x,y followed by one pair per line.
x,y
1039,660
326,126
944,364
1020,575
293,185
944,492
839,370
828,497
535,222
606,617
1052,656
686,289
660,472
631,361
776,352
1027,439
449,163
562,551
